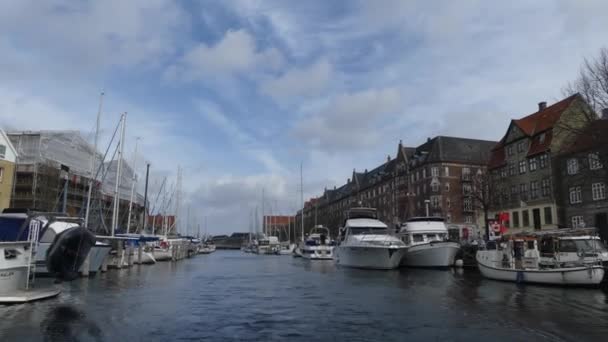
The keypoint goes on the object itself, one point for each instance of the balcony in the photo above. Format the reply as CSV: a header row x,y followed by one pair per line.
x,y
466,177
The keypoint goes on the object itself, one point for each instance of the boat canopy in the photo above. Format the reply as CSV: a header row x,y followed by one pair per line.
x,y
365,223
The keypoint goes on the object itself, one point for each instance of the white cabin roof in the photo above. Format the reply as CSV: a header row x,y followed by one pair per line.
x,y
424,226
365,222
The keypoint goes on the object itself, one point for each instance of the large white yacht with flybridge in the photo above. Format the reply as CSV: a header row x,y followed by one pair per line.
x,y
365,242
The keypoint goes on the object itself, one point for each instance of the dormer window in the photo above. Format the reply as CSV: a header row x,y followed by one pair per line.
x,y
541,138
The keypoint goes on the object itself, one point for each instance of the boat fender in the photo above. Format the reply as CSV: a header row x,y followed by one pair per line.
x,y
68,252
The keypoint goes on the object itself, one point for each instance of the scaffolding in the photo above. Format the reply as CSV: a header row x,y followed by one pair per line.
x,y
49,159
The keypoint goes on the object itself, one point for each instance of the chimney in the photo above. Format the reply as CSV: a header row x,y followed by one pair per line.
x,y
348,181
605,113
428,139
542,105
388,158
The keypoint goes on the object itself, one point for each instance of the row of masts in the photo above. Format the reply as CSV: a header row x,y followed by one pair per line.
x,y
165,206
268,225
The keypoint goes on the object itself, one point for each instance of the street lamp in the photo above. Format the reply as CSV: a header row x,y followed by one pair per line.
x,y
426,203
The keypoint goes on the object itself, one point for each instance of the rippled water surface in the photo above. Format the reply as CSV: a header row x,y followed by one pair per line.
x,y
231,296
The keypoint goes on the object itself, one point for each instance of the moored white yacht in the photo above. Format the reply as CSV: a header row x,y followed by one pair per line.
x,y
517,259
366,242
427,243
318,245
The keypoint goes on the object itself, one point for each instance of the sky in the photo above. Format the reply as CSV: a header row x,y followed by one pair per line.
x,y
239,93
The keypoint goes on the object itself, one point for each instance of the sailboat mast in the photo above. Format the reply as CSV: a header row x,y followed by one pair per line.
x,y
115,216
133,180
93,156
302,198
263,215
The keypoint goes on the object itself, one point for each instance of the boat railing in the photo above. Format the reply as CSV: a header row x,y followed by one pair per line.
x,y
33,233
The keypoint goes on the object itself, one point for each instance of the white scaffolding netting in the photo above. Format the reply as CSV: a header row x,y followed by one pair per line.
x,y
69,148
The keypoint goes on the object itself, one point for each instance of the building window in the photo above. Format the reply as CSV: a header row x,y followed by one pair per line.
x,y
525,217
468,219
1,174
512,169
466,189
435,171
435,201
594,161
2,151
434,187
412,178
503,172
548,215
578,222
467,204
448,217
447,187
534,189
510,150
522,167
575,195
543,161
598,191
533,164
424,173
515,219
521,146
448,203
541,138
514,192
447,171
417,175
523,191
546,187
572,166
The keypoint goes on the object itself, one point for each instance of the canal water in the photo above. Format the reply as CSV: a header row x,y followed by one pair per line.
x,y
231,296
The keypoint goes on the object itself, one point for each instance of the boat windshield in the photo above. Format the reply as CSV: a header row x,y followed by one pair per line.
x,y
368,231
591,245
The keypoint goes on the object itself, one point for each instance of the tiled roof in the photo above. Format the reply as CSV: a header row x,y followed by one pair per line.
x,y
544,119
452,149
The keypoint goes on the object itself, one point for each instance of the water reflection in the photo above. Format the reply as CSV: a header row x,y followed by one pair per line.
x,y
235,296
66,323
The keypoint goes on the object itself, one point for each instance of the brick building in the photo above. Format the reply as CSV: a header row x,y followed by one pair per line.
x,y
441,171
399,187
281,226
384,188
521,164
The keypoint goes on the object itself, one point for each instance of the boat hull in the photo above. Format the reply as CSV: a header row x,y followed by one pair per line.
x,y
162,254
572,276
372,257
97,255
433,254
318,252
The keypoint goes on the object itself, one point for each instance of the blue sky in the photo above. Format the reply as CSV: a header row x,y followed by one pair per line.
x,y
240,92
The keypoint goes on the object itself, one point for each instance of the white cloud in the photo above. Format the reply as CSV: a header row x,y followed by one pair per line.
x,y
306,81
235,53
350,121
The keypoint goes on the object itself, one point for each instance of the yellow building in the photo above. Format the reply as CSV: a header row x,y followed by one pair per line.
x,y
8,158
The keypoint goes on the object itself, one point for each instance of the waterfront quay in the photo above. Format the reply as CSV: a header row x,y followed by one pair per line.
x,y
233,296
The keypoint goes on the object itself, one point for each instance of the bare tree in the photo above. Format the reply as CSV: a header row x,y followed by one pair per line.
x,y
592,81
483,195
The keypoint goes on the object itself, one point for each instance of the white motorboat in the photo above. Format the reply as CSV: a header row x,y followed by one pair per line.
x,y
286,248
17,266
53,224
262,246
207,248
318,245
366,242
518,260
427,243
